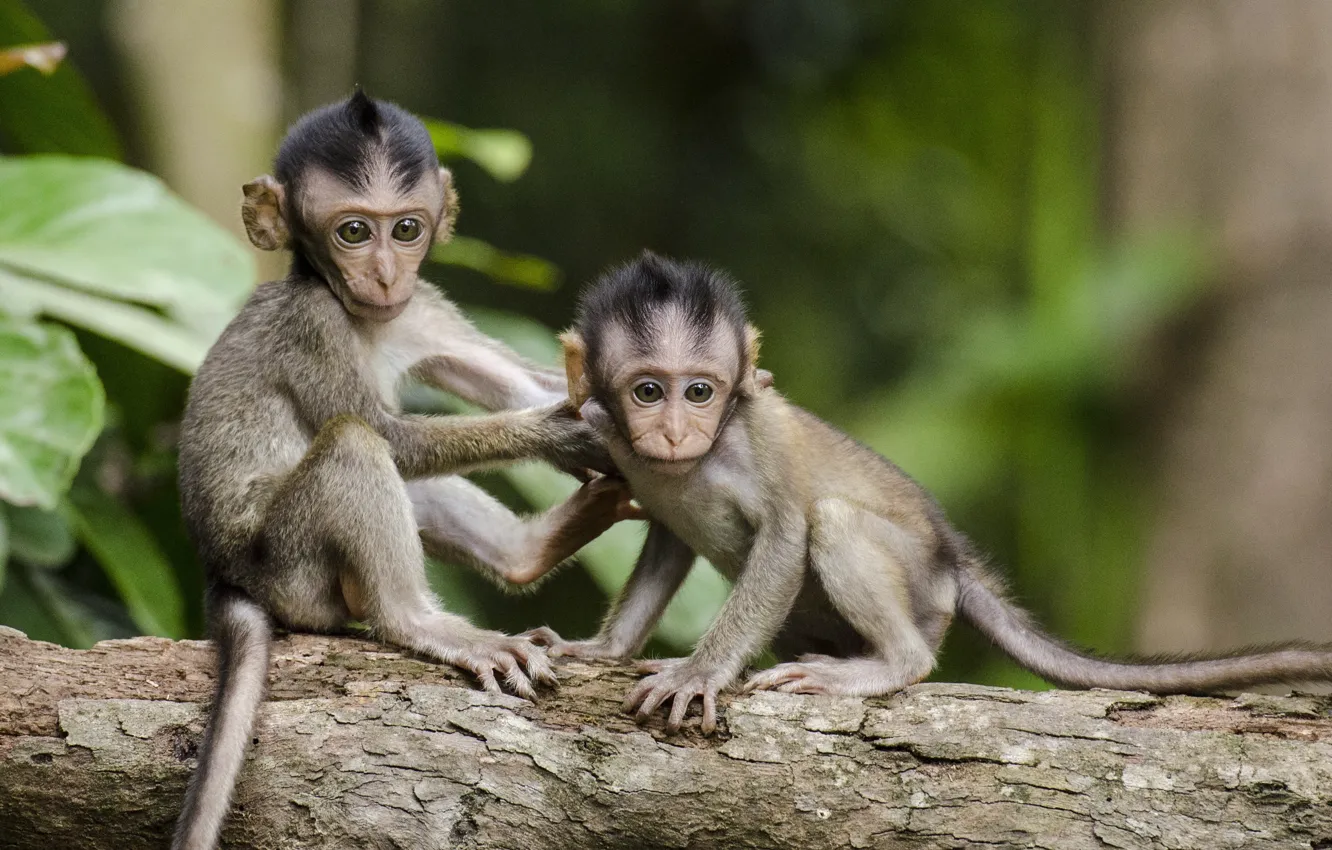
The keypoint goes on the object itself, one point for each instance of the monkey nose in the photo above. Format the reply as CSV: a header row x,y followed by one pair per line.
x,y
384,269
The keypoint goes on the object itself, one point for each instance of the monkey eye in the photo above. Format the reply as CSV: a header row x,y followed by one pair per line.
x,y
354,232
648,392
698,393
407,230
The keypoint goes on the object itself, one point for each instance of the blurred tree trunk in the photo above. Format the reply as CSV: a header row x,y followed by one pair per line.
x,y
208,88
1220,117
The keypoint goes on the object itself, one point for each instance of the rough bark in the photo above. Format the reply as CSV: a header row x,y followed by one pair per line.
x,y
360,746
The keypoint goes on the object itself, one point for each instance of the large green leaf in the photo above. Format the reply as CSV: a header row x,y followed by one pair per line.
x,y
51,407
108,230
139,328
48,114
132,559
40,538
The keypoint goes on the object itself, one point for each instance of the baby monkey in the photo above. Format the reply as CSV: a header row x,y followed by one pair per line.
x,y
306,489
838,558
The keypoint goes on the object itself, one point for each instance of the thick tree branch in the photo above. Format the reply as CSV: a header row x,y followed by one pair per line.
x,y
362,747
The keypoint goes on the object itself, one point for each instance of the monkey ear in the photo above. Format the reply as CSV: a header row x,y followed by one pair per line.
x,y
263,214
754,378
448,213
575,359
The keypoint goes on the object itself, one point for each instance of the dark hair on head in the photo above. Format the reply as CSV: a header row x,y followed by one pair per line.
x,y
344,138
633,296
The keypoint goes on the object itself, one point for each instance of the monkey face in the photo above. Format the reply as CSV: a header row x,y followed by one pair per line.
x,y
672,398
371,243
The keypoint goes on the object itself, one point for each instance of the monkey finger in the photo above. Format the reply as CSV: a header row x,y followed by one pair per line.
x,y
533,659
513,676
652,665
679,706
636,694
630,510
542,636
486,674
803,685
769,679
709,712
539,669
652,702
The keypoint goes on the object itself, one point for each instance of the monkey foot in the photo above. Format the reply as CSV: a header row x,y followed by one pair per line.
x,y
585,650
518,660
681,681
824,674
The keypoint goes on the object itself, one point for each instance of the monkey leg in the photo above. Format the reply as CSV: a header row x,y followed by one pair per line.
x,y
461,523
340,534
866,565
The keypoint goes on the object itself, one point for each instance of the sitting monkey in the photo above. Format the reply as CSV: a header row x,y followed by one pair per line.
x,y
305,488
832,548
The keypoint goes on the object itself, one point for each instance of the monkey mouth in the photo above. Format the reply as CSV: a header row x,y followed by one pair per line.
x,y
669,466
377,312
676,463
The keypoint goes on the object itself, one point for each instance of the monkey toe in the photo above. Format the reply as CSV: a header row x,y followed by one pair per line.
x,y
774,677
803,685
542,636
679,706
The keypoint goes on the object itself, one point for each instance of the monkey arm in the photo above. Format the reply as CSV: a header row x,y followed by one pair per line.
x,y
438,445
482,370
761,599
758,604
658,574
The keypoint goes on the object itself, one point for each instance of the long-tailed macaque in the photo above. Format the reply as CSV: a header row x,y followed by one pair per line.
x,y
307,491
839,559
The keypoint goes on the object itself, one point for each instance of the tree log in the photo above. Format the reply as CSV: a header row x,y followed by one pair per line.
x,y
361,746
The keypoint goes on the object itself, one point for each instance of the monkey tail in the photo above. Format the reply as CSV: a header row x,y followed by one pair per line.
x,y
244,634
982,602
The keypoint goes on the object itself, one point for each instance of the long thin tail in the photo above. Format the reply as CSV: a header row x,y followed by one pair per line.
x,y
983,604
243,633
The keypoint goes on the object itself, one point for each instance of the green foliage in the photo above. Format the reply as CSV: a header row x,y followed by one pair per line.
x,y
55,114
480,256
50,411
504,154
132,559
109,249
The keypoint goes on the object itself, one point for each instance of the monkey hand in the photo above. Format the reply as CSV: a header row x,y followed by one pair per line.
x,y
593,649
573,445
605,500
679,680
521,662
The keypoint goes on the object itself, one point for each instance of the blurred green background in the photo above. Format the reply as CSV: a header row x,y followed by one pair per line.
x,y
1060,261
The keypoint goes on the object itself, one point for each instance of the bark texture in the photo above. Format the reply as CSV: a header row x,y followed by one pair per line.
x,y
360,746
